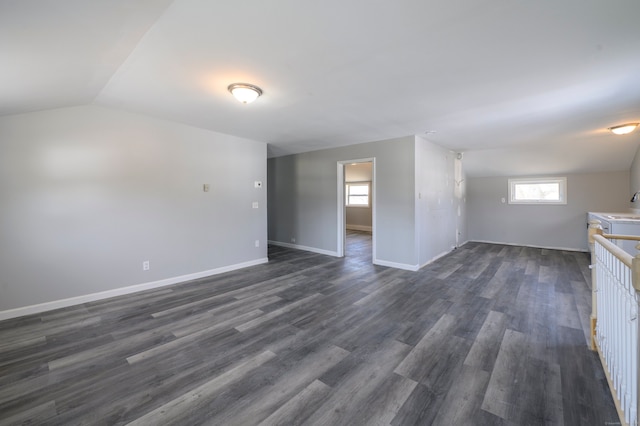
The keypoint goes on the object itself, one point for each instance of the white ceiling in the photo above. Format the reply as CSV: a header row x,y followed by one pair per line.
x,y
521,87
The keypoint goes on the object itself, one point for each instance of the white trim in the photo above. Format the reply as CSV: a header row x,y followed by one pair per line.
x,y
374,208
359,228
529,245
342,215
77,300
404,266
305,248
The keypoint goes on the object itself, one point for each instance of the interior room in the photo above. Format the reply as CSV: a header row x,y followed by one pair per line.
x,y
321,213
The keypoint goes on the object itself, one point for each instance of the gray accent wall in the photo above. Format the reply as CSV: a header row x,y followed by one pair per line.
x,y
88,193
552,226
303,199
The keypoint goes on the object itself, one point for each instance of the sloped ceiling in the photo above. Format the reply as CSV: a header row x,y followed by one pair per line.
x,y
519,87
63,52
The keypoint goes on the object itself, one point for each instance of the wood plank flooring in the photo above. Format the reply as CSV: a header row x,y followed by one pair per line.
x,y
487,335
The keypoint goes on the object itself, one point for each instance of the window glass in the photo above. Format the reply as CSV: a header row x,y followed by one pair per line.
x,y
358,194
538,191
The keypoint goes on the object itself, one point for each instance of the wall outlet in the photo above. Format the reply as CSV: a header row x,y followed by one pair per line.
x,y
257,184
145,265
205,187
257,243
255,205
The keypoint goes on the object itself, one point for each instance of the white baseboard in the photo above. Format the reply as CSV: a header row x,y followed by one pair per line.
x,y
63,303
359,228
335,254
532,246
404,266
305,248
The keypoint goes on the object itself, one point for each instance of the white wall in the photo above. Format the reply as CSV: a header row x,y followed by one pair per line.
x,y
440,200
552,226
360,218
87,194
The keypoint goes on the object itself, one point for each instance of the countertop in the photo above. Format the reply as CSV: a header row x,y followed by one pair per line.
x,y
619,217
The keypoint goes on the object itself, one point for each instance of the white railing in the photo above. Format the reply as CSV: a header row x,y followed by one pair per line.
x,y
614,319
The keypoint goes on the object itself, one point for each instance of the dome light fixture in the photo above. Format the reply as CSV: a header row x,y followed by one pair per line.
x,y
245,93
623,129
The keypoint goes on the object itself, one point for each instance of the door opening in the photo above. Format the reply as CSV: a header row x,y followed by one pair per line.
x,y
356,202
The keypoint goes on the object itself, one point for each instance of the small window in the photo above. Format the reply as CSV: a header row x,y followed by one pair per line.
x,y
358,194
538,191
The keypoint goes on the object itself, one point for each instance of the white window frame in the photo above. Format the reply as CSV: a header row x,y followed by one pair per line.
x,y
346,195
561,181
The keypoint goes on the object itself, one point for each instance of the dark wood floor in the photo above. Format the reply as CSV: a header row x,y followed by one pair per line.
x,y
487,335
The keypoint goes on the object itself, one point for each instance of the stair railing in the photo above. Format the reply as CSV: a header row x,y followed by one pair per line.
x,y
615,283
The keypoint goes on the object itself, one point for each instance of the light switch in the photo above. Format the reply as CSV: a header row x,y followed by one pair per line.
x,y
205,187
255,204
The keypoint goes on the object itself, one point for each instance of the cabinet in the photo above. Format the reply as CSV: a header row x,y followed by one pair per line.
x,y
620,224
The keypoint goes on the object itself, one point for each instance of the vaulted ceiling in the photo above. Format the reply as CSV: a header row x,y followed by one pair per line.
x,y
521,87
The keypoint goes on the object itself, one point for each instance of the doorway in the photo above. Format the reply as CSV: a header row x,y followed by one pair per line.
x,y
357,208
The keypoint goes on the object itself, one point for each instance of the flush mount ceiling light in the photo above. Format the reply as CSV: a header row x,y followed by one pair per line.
x,y
245,93
623,129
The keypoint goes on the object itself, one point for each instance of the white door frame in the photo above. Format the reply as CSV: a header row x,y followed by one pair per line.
x,y
342,217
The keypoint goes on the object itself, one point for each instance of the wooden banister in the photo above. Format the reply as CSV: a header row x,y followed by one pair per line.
x,y
622,255
635,270
622,237
594,229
